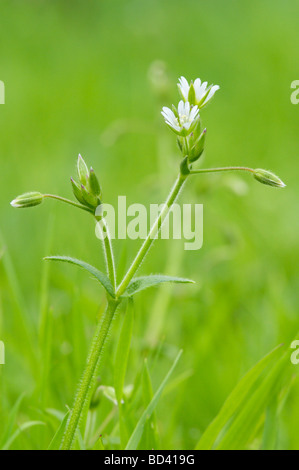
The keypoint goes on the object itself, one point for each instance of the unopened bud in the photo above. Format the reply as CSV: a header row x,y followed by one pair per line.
x,y
77,191
198,147
94,184
89,199
28,200
184,167
82,170
269,178
96,398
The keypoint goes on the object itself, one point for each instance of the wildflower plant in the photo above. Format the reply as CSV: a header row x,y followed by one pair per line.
x,y
185,122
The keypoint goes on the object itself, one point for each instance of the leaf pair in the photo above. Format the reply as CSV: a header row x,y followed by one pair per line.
x,y
136,285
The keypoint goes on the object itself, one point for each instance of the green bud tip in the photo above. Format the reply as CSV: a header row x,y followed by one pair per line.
x,y
28,200
267,177
82,170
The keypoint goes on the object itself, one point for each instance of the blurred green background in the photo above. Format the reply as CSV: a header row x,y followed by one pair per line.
x,y
80,77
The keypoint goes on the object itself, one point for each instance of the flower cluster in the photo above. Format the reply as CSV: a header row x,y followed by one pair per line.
x,y
185,119
196,93
88,190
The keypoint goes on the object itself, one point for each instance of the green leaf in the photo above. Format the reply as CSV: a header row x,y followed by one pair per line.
x,y
11,420
55,443
151,431
144,282
101,277
137,433
244,426
122,352
235,399
22,427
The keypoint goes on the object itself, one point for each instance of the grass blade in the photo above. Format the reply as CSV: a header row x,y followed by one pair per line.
x,y
22,427
234,400
55,443
137,433
122,352
11,420
244,425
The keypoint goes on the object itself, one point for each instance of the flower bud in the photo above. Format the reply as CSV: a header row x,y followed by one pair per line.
x,y
82,170
89,199
184,167
198,147
28,200
94,184
96,398
267,177
77,191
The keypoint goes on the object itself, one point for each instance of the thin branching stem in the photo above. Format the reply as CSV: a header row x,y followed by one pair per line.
x,y
152,234
108,250
225,168
68,201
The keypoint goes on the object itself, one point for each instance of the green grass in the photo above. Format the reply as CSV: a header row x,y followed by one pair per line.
x,y
77,81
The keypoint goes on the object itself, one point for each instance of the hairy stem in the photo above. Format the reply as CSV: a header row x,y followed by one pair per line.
x,y
86,386
107,243
85,390
68,201
225,168
152,234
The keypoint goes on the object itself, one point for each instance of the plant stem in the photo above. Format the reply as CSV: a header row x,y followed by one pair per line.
x,y
85,390
226,168
109,254
152,234
68,201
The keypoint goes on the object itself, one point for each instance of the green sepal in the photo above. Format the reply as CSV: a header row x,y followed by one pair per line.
x,y
82,170
191,94
198,147
77,192
94,184
89,199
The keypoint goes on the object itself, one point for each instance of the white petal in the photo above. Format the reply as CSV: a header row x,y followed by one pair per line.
x,y
197,85
211,94
194,113
184,83
181,107
168,114
184,87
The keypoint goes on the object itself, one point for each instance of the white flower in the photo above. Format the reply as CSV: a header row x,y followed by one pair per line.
x,y
183,120
203,92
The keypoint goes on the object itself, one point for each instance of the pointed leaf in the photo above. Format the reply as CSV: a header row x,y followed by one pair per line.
x,y
22,427
144,282
243,428
235,399
55,443
11,420
101,277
